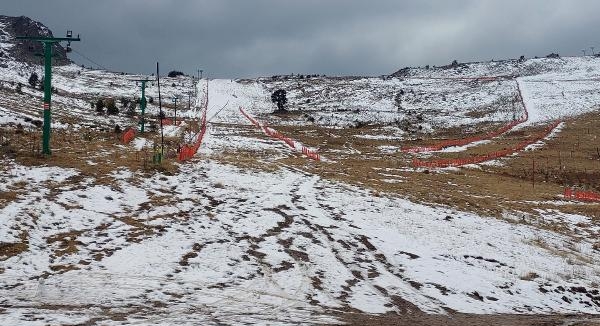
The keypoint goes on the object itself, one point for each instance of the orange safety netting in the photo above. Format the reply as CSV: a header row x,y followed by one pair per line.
x,y
312,154
188,151
170,122
453,162
128,135
581,195
465,141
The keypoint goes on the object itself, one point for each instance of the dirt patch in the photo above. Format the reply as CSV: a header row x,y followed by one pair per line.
x,y
455,319
92,152
10,249
67,242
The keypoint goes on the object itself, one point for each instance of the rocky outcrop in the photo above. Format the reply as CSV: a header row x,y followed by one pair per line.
x,y
25,51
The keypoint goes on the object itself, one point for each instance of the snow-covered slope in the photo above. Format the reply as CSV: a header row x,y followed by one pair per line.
x,y
259,246
567,92
426,100
214,243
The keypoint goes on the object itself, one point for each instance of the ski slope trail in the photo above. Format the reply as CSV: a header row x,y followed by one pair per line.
x,y
559,95
240,246
227,96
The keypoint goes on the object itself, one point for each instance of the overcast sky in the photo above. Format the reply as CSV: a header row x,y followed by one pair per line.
x,y
248,38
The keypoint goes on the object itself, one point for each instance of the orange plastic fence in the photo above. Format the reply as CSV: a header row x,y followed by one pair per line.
x,y
276,134
443,163
465,141
312,154
170,122
188,151
581,195
254,122
128,135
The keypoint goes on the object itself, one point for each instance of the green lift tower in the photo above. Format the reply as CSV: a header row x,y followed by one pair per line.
x,y
142,102
48,43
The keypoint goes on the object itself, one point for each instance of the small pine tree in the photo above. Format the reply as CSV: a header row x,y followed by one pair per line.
x,y
131,109
33,79
100,106
19,86
279,97
124,102
111,107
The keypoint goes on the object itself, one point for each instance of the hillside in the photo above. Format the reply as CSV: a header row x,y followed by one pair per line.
x,y
258,228
26,51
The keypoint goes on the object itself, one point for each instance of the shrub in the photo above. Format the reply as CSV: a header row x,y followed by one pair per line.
x,y
111,107
100,106
131,109
124,101
175,73
33,79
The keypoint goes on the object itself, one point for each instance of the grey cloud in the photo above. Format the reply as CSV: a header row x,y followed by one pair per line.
x,y
239,38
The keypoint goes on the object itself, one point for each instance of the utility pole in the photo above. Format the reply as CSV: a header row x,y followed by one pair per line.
x,y
189,94
142,121
48,42
592,48
583,52
197,81
162,135
175,118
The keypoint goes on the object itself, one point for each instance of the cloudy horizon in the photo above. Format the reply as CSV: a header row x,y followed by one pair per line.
x,y
230,39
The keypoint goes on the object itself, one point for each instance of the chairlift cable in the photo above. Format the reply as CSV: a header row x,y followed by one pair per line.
x,y
90,60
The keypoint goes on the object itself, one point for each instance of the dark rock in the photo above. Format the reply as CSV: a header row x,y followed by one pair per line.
x,y
25,51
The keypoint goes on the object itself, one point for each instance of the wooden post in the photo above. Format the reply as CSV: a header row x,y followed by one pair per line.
x,y
533,171
559,161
